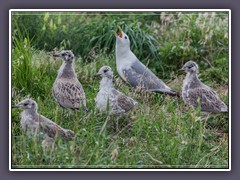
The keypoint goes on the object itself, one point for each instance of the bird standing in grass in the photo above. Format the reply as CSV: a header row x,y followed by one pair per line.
x,y
67,90
133,71
34,123
118,103
193,89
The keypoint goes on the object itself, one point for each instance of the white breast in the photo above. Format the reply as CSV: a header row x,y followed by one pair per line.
x,y
185,88
125,61
120,72
102,99
28,124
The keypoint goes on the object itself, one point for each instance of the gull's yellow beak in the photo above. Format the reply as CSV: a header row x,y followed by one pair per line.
x,y
120,32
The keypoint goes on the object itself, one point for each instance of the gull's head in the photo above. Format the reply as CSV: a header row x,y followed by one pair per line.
x,y
66,55
26,104
122,40
105,71
190,67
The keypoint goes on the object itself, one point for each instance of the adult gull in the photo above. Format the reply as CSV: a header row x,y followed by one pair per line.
x,y
133,71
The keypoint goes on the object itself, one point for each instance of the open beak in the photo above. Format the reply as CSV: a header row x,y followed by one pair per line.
x,y
120,32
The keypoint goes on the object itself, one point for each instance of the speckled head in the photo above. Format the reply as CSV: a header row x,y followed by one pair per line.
x,y
190,67
105,71
66,55
26,104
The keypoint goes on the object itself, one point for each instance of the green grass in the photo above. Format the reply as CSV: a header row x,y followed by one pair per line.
x,y
161,132
164,40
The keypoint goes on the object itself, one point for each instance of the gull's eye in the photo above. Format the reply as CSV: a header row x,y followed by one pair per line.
x,y
125,37
106,70
69,55
25,104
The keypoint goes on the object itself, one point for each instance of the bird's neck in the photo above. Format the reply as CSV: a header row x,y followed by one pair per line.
x,y
66,71
192,78
32,112
124,54
106,83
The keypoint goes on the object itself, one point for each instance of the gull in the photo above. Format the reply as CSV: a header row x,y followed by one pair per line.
x,y
133,71
67,90
193,89
108,97
34,123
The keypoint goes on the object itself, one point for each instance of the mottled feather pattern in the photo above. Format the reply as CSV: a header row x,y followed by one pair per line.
x,y
34,123
122,101
118,103
41,124
67,90
193,89
69,93
210,102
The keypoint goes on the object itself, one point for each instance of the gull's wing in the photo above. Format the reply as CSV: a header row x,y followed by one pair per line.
x,y
52,129
69,94
138,75
122,102
209,100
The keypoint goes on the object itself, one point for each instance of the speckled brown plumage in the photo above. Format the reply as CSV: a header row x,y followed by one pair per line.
x,y
119,104
67,90
34,123
193,89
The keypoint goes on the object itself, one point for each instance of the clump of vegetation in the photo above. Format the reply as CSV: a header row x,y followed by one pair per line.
x,y
202,37
84,33
161,132
165,40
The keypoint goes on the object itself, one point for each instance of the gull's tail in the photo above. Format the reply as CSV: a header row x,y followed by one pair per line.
x,y
166,91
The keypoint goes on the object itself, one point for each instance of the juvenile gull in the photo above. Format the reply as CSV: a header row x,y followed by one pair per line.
x,y
193,89
133,71
118,103
67,90
34,123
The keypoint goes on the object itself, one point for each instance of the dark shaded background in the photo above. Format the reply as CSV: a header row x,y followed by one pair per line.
x,y
104,4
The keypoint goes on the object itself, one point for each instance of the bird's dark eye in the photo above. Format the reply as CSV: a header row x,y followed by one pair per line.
x,y
64,54
106,70
125,37
25,104
192,66
69,55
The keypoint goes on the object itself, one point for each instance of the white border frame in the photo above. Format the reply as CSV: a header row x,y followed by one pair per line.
x,y
113,10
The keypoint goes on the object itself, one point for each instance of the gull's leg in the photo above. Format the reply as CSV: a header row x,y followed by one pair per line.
x,y
62,114
117,120
75,114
